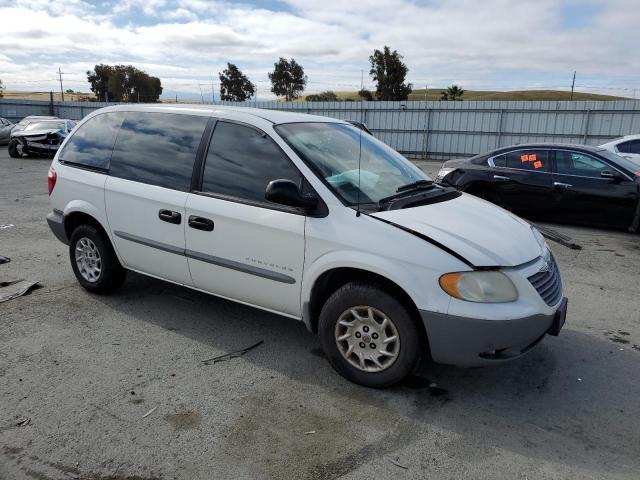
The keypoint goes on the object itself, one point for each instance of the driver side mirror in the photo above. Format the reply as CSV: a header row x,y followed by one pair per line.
x,y
286,192
612,175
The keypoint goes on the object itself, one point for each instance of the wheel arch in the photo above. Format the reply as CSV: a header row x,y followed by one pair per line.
x,y
332,279
79,214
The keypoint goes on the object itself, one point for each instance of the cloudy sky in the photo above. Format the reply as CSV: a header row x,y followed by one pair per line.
x,y
479,44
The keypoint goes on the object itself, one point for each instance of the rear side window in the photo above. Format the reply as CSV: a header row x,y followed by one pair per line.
x,y
157,148
242,161
92,143
632,146
534,160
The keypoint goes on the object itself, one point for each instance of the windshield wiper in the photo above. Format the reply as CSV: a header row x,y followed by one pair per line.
x,y
402,190
414,185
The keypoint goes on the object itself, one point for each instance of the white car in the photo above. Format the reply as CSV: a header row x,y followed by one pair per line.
x,y
627,147
310,218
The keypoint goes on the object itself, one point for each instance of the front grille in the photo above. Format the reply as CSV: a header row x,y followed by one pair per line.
x,y
547,283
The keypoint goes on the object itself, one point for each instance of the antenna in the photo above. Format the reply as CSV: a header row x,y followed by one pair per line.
x,y
359,161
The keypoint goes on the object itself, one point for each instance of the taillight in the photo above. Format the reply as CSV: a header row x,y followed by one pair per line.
x,y
51,179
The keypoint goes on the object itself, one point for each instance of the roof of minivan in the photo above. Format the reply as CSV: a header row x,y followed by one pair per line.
x,y
273,116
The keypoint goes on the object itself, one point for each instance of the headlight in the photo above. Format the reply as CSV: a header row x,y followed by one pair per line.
x,y
488,286
444,171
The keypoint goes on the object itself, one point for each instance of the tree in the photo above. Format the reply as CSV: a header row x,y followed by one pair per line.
x,y
69,90
365,95
389,73
123,83
327,96
453,92
234,85
287,79
2,87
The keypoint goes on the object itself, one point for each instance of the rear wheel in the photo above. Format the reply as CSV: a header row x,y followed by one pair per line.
x,y
94,261
369,336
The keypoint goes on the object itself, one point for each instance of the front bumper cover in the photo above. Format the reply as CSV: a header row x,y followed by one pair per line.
x,y
473,342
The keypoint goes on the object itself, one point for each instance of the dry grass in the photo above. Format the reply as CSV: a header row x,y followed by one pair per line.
x,y
69,97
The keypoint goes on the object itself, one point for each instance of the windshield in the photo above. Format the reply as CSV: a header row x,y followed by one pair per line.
x,y
633,167
332,151
46,126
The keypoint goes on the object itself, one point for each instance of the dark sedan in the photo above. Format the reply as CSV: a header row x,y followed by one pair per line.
x,y
561,183
42,138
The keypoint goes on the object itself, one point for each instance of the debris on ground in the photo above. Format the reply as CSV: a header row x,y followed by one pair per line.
x,y
556,236
149,412
4,259
416,382
397,464
310,432
6,225
229,356
14,289
23,422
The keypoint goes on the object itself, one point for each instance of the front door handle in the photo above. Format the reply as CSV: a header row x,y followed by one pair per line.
x,y
170,216
562,185
501,178
201,223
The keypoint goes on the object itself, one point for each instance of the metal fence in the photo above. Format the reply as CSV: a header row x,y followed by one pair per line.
x,y
434,129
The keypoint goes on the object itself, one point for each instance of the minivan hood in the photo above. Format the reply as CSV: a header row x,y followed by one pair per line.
x,y
482,233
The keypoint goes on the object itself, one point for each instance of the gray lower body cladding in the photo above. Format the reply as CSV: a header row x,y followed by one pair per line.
x,y
471,342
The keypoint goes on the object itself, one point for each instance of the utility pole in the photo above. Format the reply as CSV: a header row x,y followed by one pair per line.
x,y
213,95
426,87
61,91
573,84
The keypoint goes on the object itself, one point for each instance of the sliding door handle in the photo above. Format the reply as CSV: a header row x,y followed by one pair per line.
x,y
201,223
170,216
562,185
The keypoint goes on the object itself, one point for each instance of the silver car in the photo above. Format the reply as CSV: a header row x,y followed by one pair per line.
x,y
5,130
22,124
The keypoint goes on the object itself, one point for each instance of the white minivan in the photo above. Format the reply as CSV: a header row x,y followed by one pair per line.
x,y
308,217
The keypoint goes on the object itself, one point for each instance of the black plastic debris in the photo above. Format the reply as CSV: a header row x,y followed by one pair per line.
x,y
4,259
229,356
556,236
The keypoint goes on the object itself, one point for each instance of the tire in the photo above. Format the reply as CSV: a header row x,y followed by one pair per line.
x,y
369,301
13,151
94,243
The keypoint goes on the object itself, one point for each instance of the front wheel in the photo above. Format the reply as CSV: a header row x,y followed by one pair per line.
x,y
369,336
15,148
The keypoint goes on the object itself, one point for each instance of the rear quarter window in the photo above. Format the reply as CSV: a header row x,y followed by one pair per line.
x,y
92,143
158,148
631,146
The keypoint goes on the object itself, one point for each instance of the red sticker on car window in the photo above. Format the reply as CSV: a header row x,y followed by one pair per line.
x,y
531,157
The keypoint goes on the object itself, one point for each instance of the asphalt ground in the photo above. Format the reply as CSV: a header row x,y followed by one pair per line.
x,y
78,372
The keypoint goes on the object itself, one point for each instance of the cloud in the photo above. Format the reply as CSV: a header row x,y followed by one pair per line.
x,y
188,41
